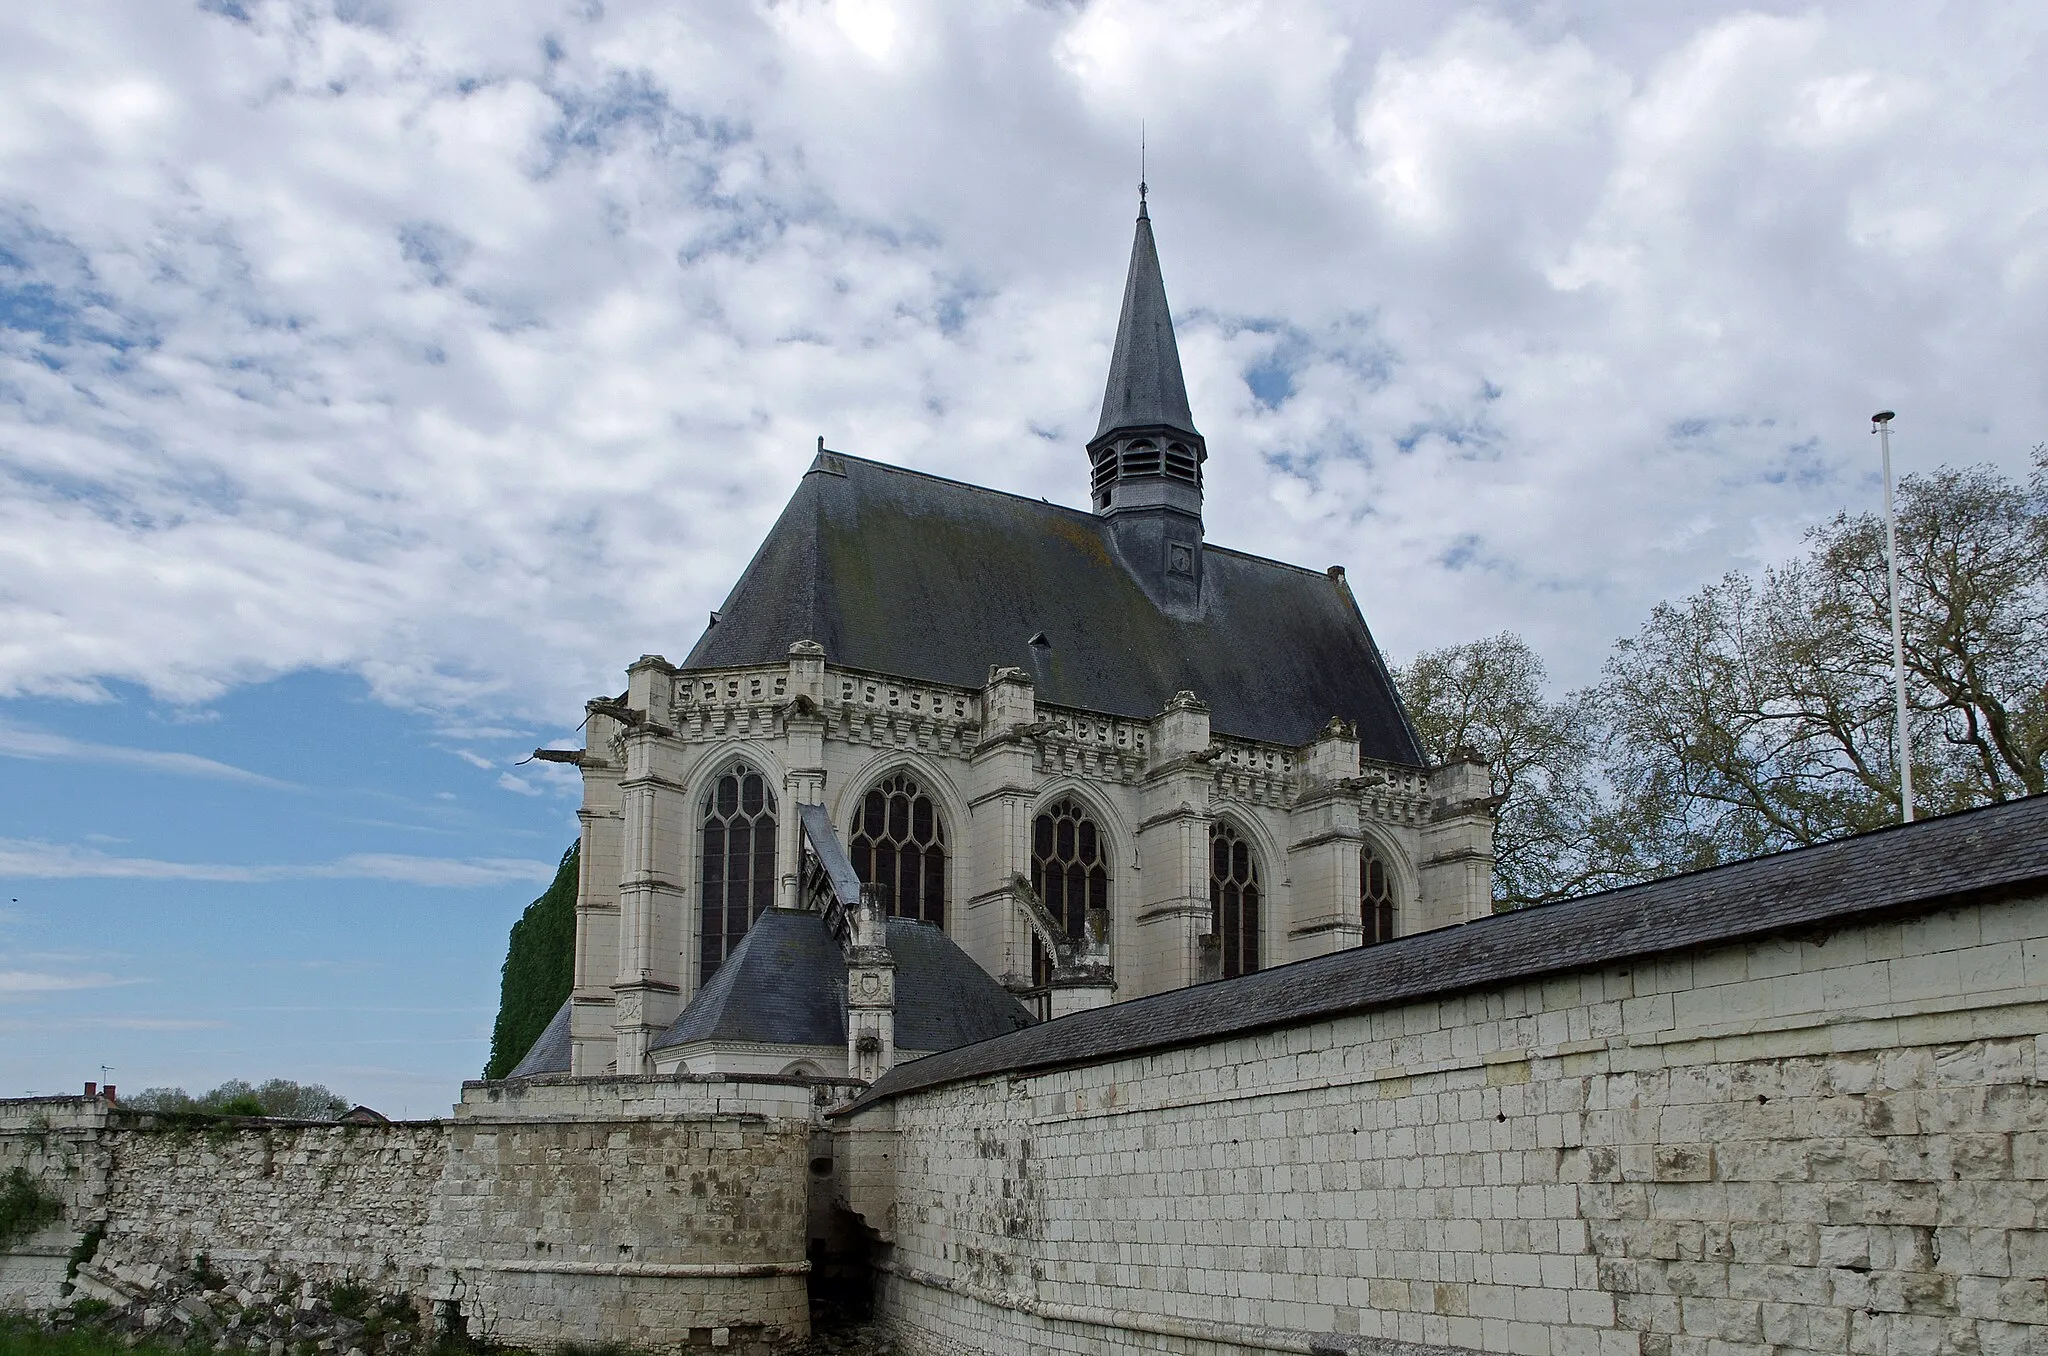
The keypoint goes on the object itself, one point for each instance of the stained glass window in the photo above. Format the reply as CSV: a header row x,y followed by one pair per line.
x,y
739,863
1234,899
1375,898
1070,872
898,845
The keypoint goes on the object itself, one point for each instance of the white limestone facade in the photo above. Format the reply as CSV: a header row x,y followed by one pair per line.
x,y
992,761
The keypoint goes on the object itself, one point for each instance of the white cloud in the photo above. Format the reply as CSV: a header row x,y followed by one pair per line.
x,y
473,759
509,782
41,745
14,983
473,350
31,859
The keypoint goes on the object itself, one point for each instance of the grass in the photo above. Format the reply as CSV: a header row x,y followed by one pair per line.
x,y
21,1337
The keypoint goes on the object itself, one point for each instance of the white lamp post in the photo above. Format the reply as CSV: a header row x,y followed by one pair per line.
x,y
1883,422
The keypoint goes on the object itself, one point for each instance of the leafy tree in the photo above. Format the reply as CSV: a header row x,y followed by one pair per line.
x,y
1555,834
1758,715
272,1097
540,962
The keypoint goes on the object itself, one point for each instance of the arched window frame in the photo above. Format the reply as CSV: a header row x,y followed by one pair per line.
x,y
1098,872
1378,895
1237,898
717,934
935,876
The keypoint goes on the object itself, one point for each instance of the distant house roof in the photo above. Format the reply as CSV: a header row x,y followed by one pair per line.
x,y
907,574
550,1052
786,985
1996,851
363,1115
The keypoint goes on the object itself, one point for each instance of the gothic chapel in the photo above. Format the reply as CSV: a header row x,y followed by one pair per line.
x,y
950,761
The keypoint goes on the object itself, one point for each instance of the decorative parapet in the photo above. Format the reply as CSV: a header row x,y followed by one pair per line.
x,y
1088,744
1253,772
1393,794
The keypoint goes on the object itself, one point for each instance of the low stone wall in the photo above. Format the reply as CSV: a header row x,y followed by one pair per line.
x,y
648,1212
1834,1143
57,1141
328,1202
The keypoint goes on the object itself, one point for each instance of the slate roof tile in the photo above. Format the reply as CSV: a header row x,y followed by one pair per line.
x,y
785,984
906,574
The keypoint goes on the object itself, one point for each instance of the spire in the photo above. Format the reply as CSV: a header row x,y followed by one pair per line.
x,y
1145,386
1145,461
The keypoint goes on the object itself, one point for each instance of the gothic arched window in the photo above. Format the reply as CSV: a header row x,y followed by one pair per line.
x,y
739,863
1375,898
899,846
1070,872
1234,898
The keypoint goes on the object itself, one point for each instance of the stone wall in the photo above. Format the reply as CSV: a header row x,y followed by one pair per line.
x,y
1835,1143
327,1202
58,1142
647,1212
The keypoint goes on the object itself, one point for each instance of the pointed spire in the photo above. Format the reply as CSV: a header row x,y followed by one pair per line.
x,y
1145,385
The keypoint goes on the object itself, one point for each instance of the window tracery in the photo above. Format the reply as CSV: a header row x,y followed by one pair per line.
x,y
1069,871
1234,898
1375,899
898,845
738,876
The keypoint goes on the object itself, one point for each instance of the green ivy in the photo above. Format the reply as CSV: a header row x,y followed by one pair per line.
x,y
24,1206
540,968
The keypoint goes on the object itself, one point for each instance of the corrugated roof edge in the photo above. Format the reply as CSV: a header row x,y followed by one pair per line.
x,y
1992,852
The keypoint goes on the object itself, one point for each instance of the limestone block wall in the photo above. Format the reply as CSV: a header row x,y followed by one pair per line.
x,y
56,1141
1836,1143
327,1202
645,1212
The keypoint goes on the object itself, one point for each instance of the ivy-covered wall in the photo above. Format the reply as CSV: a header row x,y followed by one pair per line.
x,y
540,963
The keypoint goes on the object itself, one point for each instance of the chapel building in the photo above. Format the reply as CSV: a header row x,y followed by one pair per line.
x,y
949,761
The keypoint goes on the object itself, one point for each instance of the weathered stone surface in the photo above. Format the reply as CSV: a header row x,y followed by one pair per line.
x,y
629,1211
1821,1157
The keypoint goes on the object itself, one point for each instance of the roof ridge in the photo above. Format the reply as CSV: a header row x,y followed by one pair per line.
x,y
1043,502
1040,500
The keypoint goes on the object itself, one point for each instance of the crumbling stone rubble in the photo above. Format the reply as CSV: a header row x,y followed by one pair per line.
x,y
260,1310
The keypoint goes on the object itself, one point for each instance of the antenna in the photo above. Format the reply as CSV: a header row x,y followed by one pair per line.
x,y
1141,166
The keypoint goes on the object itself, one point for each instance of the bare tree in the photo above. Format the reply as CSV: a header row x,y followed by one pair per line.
x,y
1757,715
1555,835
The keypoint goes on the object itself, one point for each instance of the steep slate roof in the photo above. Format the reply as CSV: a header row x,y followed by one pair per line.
x,y
785,984
550,1052
1145,385
1995,851
907,574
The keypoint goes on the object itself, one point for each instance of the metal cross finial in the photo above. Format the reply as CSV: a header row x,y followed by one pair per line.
x,y
1141,168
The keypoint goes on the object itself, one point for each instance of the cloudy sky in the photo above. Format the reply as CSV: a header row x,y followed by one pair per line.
x,y
378,378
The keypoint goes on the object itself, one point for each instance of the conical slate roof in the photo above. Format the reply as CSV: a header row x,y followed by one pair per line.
x,y
550,1052
1145,385
785,984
